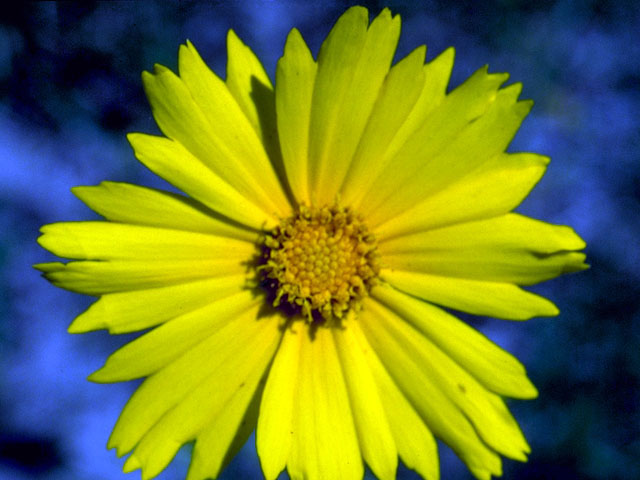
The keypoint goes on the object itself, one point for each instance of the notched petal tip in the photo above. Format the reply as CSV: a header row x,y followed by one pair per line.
x,y
159,69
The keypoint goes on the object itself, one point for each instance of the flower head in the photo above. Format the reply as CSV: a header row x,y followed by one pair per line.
x,y
297,287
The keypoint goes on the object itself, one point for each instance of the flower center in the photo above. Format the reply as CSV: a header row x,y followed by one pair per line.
x,y
320,261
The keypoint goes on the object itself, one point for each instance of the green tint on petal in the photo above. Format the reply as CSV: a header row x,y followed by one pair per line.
x,y
295,78
273,435
510,248
492,299
494,188
173,162
352,64
495,368
415,442
127,203
437,410
324,442
397,98
374,434
139,309
162,345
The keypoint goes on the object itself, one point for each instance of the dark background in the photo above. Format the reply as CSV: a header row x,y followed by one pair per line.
x,y
70,89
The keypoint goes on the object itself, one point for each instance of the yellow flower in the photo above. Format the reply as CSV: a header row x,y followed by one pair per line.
x,y
294,290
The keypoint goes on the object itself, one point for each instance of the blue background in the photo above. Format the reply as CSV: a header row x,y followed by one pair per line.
x,y
70,90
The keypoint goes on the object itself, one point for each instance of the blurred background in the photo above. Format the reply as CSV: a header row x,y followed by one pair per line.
x,y
70,90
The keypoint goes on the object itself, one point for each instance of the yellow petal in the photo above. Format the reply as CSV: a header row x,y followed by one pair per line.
x,y
175,404
352,64
493,299
443,417
397,98
244,160
415,442
251,87
495,188
99,277
496,369
139,309
487,411
435,76
173,162
295,77
443,163
227,433
511,248
117,241
198,112
442,125
376,440
127,203
162,345
273,436
324,443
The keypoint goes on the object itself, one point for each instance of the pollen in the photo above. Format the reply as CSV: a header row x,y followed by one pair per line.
x,y
320,262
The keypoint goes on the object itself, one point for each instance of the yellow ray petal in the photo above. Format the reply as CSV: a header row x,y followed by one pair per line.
x,y
200,382
436,77
324,443
204,406
117,241
397,98
442,125
162,345
127,203
352,64
493,299
198,112
495,368
443,164
273,435
415,442
510,248
234,135
374,434
98,277
295,77
130,311
440,413
485,410
227,433
495,188
173,162
250,86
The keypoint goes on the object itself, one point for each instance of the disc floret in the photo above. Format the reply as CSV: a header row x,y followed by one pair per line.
x,y
321,261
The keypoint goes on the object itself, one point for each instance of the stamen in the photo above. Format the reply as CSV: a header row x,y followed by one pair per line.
x,y
321,262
